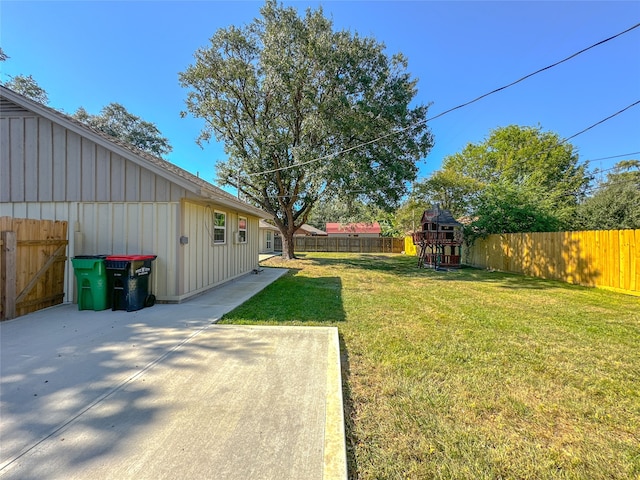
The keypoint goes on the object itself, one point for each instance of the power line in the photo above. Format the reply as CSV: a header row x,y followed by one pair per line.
x,y
601,121
565,140
613,156
462,105
601,185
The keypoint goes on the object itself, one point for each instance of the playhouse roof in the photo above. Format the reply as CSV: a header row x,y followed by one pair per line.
x,y
439,216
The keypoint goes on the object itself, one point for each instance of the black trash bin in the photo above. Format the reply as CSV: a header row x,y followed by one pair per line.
x,y
128,281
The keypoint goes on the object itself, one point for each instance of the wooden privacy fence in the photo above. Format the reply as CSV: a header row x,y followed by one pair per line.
x,y
349,244
32,264
601,258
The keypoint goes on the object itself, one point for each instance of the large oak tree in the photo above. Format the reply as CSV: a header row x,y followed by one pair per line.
x,y
307,113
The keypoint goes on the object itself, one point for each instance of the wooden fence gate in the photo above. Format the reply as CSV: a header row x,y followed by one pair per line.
x,y
32,265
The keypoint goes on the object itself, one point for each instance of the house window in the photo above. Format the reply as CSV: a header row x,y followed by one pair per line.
x,y
219,227
268,240
242,230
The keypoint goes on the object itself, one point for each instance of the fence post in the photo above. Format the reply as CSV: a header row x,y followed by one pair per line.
x,y
8,274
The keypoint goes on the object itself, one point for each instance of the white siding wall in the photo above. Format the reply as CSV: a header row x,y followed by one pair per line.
x,y
41,161
207,264
263,240
115,228
133,228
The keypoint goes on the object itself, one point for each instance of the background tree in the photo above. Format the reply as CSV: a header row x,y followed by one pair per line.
x,y
115,120
615,203
448,188
27,86
519,179
502,207
307,113
3,56
348,211
407,217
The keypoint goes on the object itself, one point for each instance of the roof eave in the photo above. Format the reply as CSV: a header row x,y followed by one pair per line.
x,y
128,154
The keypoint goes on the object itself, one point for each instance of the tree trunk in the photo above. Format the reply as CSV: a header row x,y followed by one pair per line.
x,y
287,245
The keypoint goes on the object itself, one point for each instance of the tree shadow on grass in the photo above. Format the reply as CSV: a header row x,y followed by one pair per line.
x,y
406,267
506,280
396,264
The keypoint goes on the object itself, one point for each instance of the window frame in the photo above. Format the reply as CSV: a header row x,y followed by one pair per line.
x,y
217,228
244,230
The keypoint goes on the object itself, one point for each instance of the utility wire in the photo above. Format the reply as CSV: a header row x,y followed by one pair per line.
x,y
565,140
462,105
561,142
605,184
613,156
601,121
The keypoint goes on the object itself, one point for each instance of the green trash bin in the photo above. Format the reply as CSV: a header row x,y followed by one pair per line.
x,y
91,279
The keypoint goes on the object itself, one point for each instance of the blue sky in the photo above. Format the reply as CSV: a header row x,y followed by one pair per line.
x,y
92,53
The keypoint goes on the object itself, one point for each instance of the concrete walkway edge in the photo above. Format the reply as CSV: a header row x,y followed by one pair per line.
x,y
335,450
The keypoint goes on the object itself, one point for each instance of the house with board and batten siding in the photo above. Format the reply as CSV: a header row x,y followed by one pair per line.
x,y
120,200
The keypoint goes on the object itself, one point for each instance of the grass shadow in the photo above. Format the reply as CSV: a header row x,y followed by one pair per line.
x,y
405,266
396,264
506,280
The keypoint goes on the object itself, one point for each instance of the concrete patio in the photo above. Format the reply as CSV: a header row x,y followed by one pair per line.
x,y
164,392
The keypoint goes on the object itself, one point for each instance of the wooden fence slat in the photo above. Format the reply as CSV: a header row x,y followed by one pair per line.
x,y
603,258
8,294
350,244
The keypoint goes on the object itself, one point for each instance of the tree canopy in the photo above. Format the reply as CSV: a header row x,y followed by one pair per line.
x,y
337,210
117,121
615,204
519,179
27,86
307,113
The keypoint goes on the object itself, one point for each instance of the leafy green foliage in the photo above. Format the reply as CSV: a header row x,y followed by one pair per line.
x,y
519,179
449,189
502,208
407,217
116,121
348,210
616,202
27,86
307,113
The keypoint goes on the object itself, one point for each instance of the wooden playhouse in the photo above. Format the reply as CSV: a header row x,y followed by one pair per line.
x,y
439,243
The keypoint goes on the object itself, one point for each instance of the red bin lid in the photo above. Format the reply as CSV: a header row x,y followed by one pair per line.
x,y
130,258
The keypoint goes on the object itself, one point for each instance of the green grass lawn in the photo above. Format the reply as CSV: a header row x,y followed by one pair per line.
x,y
470,374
